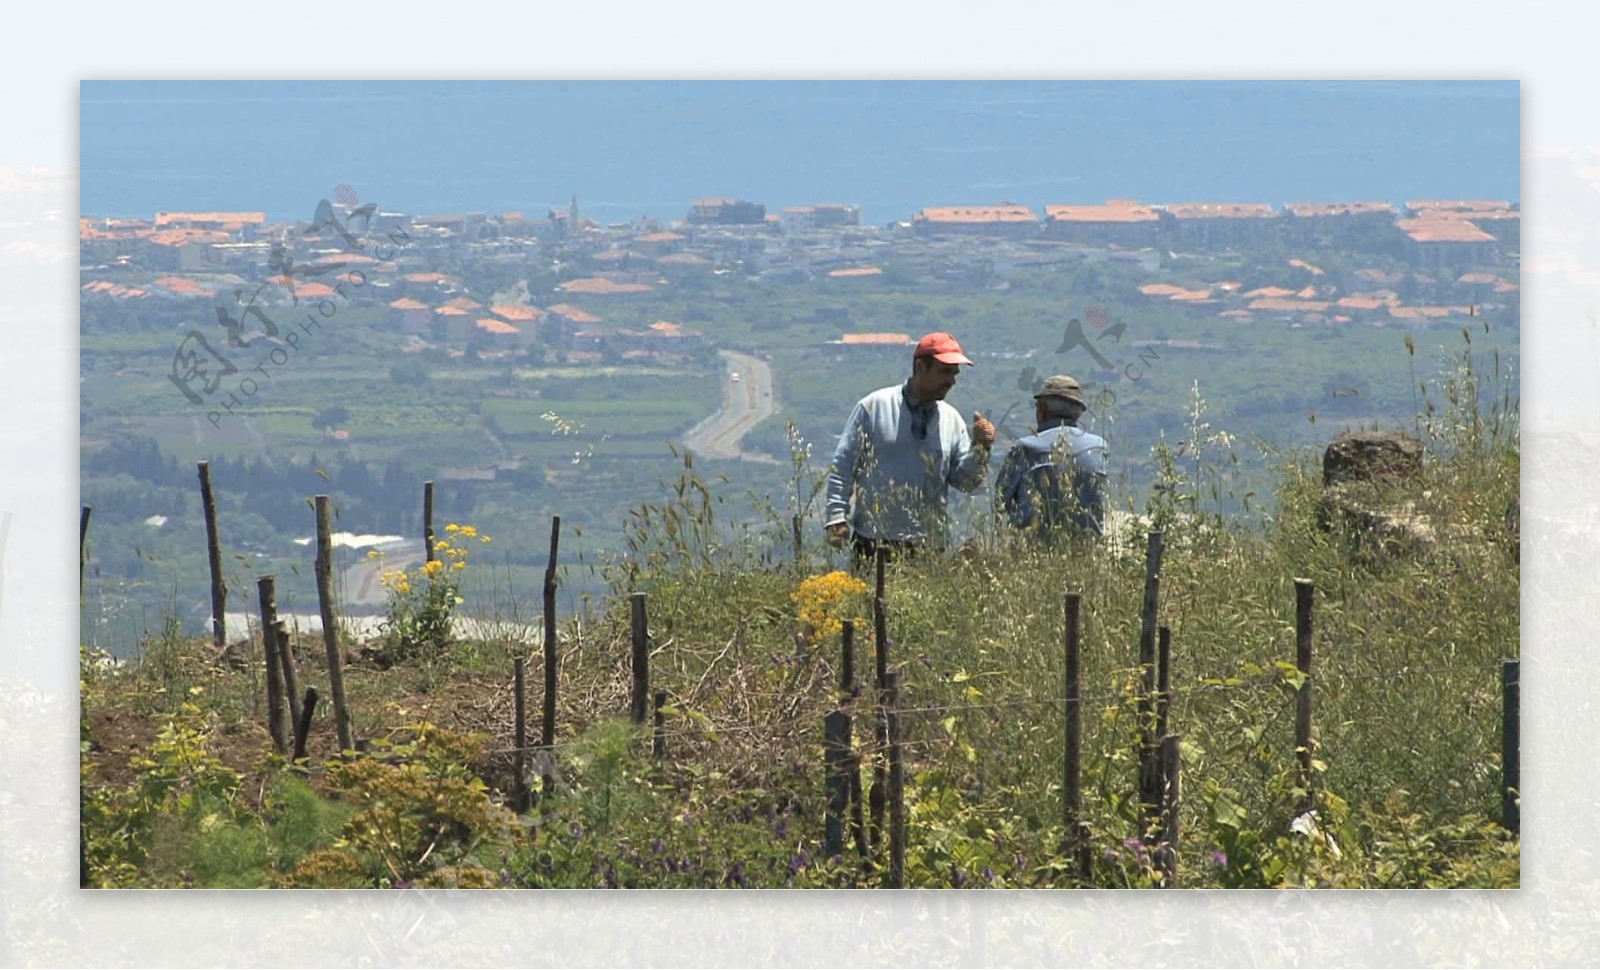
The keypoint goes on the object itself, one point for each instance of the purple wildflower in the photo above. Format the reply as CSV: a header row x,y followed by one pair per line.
x,y
781,830
988,874
957,877
1218,859
656,845
797,863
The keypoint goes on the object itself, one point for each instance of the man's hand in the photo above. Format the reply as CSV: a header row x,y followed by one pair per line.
x,y
838,532
982,430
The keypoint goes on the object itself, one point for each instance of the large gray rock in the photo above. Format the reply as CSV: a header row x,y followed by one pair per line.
x,y
1371,456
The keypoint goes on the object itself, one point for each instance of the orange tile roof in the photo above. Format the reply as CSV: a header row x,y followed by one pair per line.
x,y
575,314
1302,264
429,278
1270,291
1115,210
666,326
655,237
1172,292
1220,210
465,303
597,286
177,237
512,311
1360,302
888,339
491,325
1294,306
1308,209
1443,229
1472,206
857,271
451,311
225,218
407,303
183,285
1307,293
115,289
313,290
977,214
1418,312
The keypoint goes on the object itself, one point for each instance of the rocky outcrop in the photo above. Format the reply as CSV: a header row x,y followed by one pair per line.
x,y
1355,466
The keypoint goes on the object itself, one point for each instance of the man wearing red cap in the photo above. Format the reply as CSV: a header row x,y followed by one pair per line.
x,y
900,452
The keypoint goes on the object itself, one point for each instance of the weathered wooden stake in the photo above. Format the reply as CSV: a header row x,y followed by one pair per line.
x,y
1163,679
897,785
1075,832
83,545
290,671
1170,797
1147,664
520,738
302,727
847,657
269,650
1510,745
640,624
880,638
547,726
330,625
836,780
1303,590
658,740
799,540
219,589
427,520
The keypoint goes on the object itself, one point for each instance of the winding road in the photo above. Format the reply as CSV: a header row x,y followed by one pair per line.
x,y
748,398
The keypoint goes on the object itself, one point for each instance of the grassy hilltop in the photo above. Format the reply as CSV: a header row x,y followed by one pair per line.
x,y
182,787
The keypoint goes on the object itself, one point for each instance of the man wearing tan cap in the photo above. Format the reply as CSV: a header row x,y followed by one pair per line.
x,y
901,450
1053,481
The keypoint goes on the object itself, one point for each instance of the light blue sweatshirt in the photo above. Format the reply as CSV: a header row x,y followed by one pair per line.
x,y
890,485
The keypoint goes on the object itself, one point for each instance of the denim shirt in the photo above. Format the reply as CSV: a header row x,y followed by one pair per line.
x,y
1054,479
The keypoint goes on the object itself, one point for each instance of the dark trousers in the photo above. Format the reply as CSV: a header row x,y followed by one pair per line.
x,y
867,550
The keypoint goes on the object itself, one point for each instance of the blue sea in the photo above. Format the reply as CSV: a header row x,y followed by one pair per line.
x,y
627,149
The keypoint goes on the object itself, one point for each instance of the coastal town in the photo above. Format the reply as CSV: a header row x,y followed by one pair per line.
x,y
1444,259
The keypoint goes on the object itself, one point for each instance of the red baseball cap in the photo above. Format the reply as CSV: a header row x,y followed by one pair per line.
x,y
941,347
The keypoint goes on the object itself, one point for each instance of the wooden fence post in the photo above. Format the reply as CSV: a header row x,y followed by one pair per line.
x,y
219,589
547,727
1074,832
658,739
848,691
519,736
330,625
836,780
897,785
269,643
427,520
880,637
1171,758
289,670
799,540
1303,590
1148,768
1510,745
639,709
83,545
302,727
